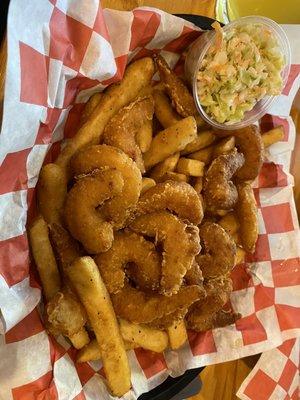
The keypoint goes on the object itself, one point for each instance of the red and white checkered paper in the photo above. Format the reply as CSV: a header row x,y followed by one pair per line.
x,y
275,376
59,53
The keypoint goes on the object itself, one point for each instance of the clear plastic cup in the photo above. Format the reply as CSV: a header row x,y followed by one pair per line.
x,y
201,45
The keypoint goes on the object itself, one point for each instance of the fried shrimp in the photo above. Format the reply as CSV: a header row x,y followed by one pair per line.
x,y
137,76
167,229
202,315
249,142
65,314
218,190
141,307
247,215
167,320
120,208
128,247
194,275
178,197
181,98
219,251
84,222
122,129
225,318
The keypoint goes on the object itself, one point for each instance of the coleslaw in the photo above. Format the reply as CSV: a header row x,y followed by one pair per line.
x,y
242,66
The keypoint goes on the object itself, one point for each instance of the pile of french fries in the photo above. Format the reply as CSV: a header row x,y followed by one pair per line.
x,y
174,147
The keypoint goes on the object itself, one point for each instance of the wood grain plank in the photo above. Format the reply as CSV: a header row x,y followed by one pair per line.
x,y
199,7
222,381
295,164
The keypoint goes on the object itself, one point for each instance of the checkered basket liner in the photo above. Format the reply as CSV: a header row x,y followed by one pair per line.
x,y
59,53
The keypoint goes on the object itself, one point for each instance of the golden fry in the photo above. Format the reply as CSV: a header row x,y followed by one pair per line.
x,y
80,339
86,279
65,247
224,146
170,141
144,136
239,256
144,336
273,136
90,106
137,76
173,176
163,109
146,91
44,257
221,213
168,165
177,334
51,193
247,215
190,167
198,184
67,307
204,155
230,223
91,352
149,89
203,139
237,238
147,183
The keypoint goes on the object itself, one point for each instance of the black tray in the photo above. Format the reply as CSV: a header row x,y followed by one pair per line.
x,y
3,17
171,386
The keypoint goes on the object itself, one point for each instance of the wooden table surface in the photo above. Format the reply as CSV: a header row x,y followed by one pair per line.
x,y
223,380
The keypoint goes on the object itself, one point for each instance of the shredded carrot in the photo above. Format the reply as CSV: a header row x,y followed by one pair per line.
x,y
219,35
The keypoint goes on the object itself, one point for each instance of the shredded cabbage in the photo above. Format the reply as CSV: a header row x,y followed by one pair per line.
x,y
240,68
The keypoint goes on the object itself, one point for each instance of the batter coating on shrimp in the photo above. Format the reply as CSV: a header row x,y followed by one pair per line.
x,y
180,245
82,218
120,208
218,190
247,215
249,142
122,128
141,307
181,98
128,247
219,251
178,197
194,275
64,314
167,320
204,315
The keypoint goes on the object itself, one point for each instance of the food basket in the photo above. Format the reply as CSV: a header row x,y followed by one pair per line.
x,y
58,55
